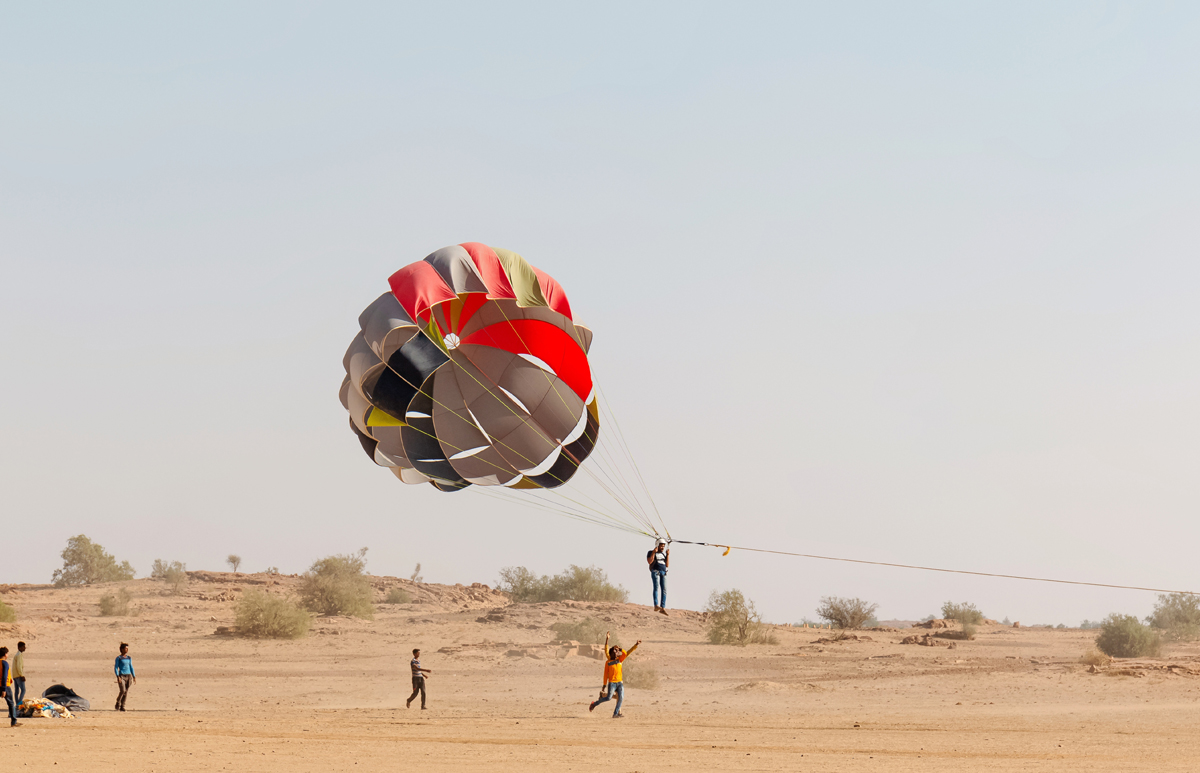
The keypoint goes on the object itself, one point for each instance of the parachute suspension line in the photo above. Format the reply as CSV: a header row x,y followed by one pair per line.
x,y
418,388
557,510
531,421
607,405
940,569
634,506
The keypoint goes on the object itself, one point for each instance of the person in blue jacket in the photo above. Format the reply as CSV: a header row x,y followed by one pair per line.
x,y
6,686
123,668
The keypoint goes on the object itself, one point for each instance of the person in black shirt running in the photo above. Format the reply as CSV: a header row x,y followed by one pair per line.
x,y
659,559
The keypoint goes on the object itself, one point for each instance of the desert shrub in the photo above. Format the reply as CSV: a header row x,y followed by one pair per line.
x,y
732,619
846,613
1088,625
397,596
963,613
234,561
173,573
338,585
1124,636
85,563
576,583
586,631
271,570
640,676
1177,615
266,616
7,613
1094,657
416,575
115,604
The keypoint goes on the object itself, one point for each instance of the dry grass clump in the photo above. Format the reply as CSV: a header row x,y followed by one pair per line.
x,y
173,573
964,613
7,613
1094,657
575,583
732,619
586,631
846,613
1124,636
397,595
265,616
115,605
338,585
640,676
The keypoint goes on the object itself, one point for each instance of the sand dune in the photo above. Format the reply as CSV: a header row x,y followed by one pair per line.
x,y
504,697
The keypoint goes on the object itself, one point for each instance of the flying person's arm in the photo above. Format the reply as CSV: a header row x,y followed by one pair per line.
x,y
650,558
667,557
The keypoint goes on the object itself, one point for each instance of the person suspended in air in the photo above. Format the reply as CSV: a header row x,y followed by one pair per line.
x,y
613,678
659,559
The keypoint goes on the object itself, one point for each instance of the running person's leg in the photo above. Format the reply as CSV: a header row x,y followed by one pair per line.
x,y
604,698
12,705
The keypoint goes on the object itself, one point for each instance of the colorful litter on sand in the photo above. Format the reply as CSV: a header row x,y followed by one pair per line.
x,y
40,707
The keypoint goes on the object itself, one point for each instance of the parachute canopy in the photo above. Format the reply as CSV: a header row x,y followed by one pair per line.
x,y
471,370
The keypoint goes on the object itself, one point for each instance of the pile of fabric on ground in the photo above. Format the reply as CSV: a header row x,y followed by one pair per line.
x,y
66,697
41,707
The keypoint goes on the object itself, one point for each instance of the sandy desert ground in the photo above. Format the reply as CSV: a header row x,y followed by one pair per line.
x,y
503,698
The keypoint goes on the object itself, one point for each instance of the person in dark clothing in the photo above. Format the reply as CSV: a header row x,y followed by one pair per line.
x,y
418,677
659,559
123,668
6,686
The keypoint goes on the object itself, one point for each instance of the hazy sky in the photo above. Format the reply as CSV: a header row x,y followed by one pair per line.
x,y
901,282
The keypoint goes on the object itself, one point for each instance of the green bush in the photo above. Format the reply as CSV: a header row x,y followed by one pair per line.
x,y
576,583
846,613
173,573
963,613
338,585
732,619
115,605
86,563
640,676
7,613
265,616
1177,615
397,596
1124,636
585,631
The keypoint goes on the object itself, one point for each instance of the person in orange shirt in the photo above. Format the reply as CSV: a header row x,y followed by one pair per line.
x,y
613,676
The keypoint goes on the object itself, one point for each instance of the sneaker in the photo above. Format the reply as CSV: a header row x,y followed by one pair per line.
x,y
17,724
658,609
618,716
117,707
422,708
592,706
122,708
663,610
408,703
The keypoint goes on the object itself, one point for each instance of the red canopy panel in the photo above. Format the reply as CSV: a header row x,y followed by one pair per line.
x,y
552,345
419,287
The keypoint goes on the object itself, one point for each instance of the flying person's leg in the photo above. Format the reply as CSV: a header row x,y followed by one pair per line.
x,y
620,698
654,579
